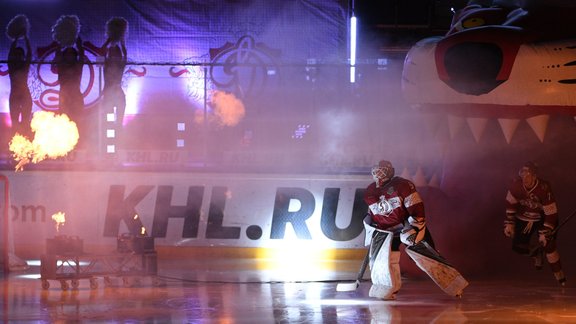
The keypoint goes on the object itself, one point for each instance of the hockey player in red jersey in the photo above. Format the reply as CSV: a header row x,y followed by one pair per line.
x,y
397,215
392,202
531,208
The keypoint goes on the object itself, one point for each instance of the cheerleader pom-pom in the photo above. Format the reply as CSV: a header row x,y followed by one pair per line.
x,y
18,27
116,29
66,29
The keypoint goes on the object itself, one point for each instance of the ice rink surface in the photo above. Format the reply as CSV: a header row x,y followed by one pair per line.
x,y
240,291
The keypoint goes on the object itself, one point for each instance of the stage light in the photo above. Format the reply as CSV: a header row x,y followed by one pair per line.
x,y
110,133
111,148
180,127
353,49
110,117
135,96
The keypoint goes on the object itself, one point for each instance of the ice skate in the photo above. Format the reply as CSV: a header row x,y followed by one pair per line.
x,y
382,292
560,278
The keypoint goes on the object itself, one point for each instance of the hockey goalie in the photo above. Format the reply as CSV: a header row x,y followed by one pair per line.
x,y
396,216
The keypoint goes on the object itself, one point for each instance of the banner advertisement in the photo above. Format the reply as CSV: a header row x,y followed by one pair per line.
x,y
187,209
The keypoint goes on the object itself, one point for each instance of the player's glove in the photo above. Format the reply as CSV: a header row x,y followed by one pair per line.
x,y
544,234
509,229
413,232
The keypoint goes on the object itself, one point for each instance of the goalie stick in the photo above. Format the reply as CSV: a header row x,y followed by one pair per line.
x,y
354,285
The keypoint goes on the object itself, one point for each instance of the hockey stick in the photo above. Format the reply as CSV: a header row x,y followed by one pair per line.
x,y
354,285
564,221
554,231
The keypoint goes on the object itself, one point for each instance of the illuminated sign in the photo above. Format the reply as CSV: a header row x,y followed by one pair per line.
x,y
190,209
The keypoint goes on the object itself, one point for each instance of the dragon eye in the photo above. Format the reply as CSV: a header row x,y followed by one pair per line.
x,y
473,22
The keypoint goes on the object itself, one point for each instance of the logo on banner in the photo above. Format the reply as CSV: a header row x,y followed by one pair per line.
x,y
123,205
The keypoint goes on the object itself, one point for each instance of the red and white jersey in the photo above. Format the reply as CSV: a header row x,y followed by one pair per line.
x,y
394,202
532,204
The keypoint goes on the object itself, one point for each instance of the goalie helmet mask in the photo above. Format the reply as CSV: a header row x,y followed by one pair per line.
x,y
382,172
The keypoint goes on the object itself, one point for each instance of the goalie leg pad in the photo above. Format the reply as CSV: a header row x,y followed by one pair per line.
x,y
384,267
369,230
436,267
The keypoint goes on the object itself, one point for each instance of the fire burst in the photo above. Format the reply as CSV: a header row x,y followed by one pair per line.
x,y
227,109
60,219
54,137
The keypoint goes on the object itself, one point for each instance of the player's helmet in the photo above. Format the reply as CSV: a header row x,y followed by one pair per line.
x,y
529,167
382,172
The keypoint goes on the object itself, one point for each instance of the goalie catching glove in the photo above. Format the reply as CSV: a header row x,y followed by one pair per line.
x,y
413,232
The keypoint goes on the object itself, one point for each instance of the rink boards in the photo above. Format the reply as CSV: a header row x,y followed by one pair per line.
x,y
186,210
